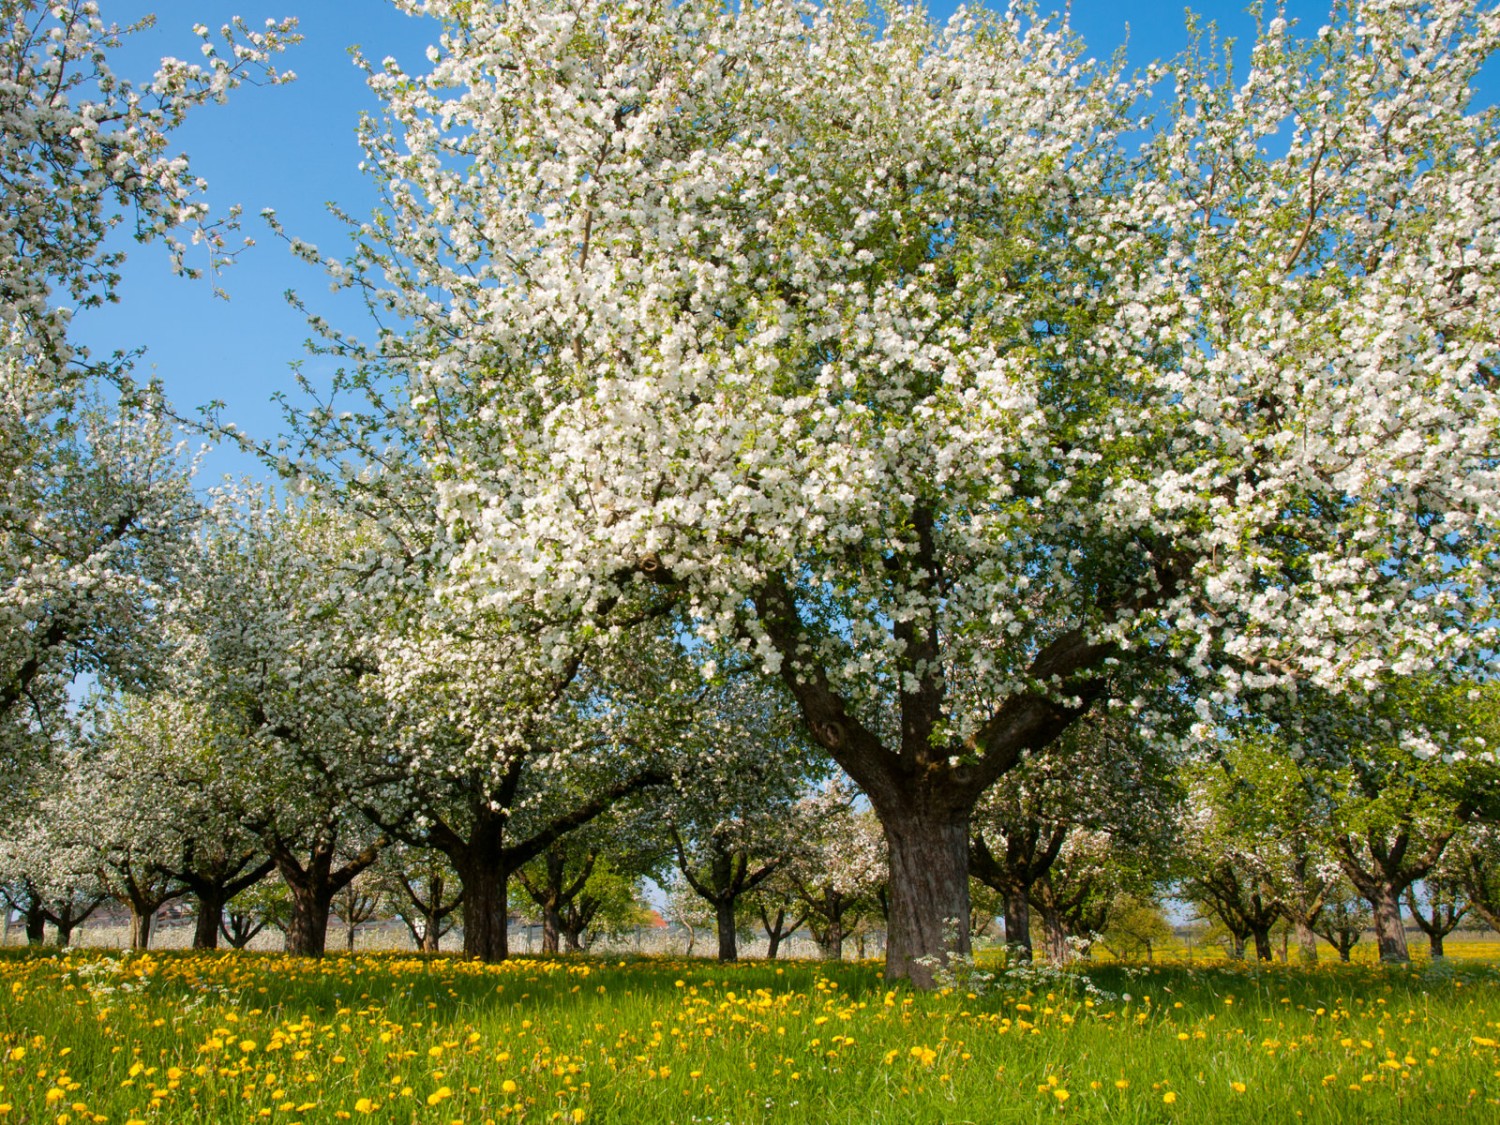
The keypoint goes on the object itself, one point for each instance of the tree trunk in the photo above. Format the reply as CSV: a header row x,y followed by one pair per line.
x,y
724,921
36,926
773,934
1017,925
929,888
1307,944
1055,938
210,918
486,909
831,940
551,929
307,929
1236,947
140,926
1390,930
1262,936
1435,944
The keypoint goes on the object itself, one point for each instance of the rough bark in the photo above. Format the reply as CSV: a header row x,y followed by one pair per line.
x,y
1018,925
724,922
140,926
1390,927
36,925
1262,936
486,905
929,888
1307,943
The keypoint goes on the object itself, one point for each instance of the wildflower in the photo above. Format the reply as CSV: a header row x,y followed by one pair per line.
x,y
364,1105
1061,1095
1169,1097
1237,1087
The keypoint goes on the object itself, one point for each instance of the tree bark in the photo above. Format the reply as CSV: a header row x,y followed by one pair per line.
x,y
724,921
1307,944
1018,925
307,929
551,929
210,919
773,933
486,907
929,888
36,926
1262,936
1390,929
140,926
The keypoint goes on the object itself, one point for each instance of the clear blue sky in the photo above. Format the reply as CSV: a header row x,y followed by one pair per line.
x,y
292,148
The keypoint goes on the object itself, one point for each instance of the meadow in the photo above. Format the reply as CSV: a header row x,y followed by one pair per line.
x,y
90,1036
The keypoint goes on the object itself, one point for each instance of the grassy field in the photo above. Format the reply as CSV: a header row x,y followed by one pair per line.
x,y
93,1037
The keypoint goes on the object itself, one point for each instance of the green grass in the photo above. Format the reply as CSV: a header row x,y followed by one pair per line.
x,y
246,1038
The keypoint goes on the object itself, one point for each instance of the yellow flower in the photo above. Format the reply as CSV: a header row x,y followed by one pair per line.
x,y
507,1087
17,1054
364,1105
1169,1097
438,1095
1061,1095
1237,1087
1122,1083
578,1116
247,1045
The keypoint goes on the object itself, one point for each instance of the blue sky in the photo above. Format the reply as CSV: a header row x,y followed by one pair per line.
x,y
292,148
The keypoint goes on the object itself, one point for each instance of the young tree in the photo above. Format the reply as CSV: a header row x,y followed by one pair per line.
x,y
1344,919
1096,778
419,889
838,866
1396,780
874,350
1438,911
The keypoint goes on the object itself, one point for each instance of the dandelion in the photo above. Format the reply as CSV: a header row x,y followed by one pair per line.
x,y
1237,1087
1169,1097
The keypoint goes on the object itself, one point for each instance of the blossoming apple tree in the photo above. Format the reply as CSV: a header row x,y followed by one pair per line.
x,y
93,499
894,356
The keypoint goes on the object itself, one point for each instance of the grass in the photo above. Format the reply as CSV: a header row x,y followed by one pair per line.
x,y
226,1038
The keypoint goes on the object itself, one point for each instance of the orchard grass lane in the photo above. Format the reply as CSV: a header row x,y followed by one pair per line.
x,y
228,1038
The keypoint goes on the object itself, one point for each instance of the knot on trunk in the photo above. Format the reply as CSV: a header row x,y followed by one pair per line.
x,y
831,734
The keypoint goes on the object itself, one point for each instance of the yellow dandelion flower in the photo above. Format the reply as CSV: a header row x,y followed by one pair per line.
x,y
364,1105
1237,1087
1061,1095
1169,1097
